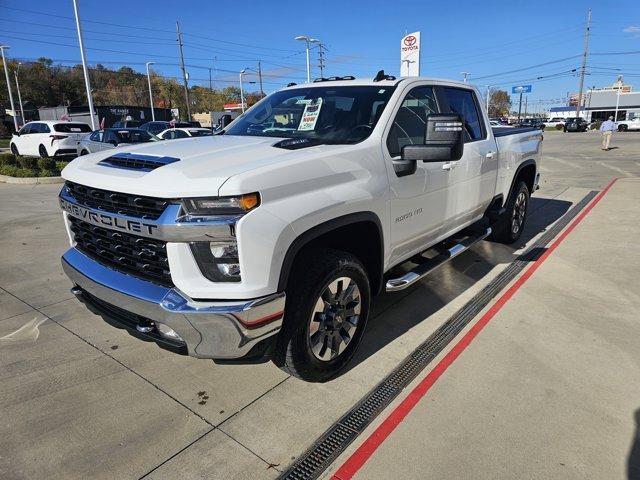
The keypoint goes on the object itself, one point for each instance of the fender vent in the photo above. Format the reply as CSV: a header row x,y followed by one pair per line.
x,y
134,161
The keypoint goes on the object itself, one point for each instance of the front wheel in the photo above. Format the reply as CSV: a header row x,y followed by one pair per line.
x,y
14,150
510,224
42,151
325,316
622,128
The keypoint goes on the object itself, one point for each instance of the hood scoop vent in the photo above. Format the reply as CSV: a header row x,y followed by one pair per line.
x,y
134,161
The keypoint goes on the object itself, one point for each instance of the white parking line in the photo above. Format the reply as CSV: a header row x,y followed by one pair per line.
x,y
563,161
616,169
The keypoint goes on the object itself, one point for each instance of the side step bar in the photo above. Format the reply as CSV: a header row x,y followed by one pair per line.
x,y
411,277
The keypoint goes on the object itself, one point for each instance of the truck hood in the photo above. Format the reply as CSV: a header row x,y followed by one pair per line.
x,y
203,165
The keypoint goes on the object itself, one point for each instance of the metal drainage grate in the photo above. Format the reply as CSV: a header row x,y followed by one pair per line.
x,y
340,435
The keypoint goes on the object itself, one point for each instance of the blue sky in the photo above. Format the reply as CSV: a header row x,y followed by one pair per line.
x,y
495,41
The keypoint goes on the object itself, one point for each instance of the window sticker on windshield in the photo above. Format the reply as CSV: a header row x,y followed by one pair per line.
x,y
310,115
303,101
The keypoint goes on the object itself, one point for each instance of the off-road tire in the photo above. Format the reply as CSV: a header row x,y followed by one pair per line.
x,y
311,274
503,228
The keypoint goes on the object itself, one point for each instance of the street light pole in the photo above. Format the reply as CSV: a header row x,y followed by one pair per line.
x,y
153,115
488,94
242,91
19,96
308,40
6,74
465,75
87,83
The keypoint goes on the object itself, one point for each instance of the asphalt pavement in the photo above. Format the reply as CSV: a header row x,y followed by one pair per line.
x,y
80,399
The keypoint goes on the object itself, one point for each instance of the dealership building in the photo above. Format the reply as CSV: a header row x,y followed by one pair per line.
x,y
600,103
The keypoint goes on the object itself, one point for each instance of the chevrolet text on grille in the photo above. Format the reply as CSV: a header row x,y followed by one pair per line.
x,y
107,220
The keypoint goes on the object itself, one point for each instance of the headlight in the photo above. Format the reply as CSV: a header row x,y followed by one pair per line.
x,y
221,205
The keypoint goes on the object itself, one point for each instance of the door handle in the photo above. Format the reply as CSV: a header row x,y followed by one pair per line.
x,y
449,166
490,155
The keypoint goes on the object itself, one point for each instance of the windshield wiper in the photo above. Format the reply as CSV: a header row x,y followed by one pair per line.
x,y
297,143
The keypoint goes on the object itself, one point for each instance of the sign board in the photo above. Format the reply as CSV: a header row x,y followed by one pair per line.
x,y
521,89
310,115
410,55
232,106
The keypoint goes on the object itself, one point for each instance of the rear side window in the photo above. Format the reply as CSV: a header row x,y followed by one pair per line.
x,y
464,104
40,128
409,125
96,136
72,128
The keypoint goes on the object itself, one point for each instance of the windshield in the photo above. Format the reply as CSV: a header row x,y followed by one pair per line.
x,y
326,114
134,136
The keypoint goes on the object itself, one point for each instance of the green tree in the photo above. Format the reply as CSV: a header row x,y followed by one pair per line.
x,y
499,103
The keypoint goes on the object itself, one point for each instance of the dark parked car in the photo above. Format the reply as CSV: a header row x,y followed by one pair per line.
x,y
576,124
531,123
158,126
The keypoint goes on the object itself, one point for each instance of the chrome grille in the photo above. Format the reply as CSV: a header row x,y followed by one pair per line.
x,y
138,256
116,202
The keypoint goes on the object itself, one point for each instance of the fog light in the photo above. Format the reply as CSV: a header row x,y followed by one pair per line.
x,y
229,269
224,249
168,332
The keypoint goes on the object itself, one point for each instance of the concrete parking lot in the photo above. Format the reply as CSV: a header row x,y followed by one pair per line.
x,y
549,389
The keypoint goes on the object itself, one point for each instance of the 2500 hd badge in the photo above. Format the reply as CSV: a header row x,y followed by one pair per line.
x,y
99,218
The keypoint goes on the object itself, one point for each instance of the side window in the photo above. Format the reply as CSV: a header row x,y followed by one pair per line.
x,y
44,128
26,129
180,134
166,135
409,125
96,136
463,103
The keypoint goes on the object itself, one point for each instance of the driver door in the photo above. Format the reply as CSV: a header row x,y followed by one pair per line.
x,y
421,202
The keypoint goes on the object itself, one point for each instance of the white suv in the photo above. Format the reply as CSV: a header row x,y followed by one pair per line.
x,y
48,138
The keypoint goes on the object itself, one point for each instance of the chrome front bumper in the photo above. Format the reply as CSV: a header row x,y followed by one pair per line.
x,y
208,329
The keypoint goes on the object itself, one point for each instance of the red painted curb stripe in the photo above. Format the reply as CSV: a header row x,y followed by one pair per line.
x,y
351,466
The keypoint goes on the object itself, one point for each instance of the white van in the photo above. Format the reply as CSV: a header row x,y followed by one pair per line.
x,y
48,138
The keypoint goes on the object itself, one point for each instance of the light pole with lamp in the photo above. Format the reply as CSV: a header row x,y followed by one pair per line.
x,y
308,40
153,115
6,74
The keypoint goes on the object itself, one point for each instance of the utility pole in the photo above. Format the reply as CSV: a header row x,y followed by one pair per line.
x,y
153,115
6,74
520,105
15,73
321,64
585,53
242,72
525,106
184,73
210,84
87,82
465,76
260,77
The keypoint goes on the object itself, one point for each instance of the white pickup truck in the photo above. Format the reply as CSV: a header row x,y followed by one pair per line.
x,y
268,240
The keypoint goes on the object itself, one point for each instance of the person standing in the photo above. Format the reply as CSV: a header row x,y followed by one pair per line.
x,y
607,128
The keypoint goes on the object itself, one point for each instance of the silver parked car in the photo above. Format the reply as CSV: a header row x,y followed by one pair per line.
x,y
113,137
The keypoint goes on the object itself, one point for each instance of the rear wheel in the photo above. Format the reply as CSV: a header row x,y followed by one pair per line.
x,y
14,149
327,309
42,151
84,152
509,226
622,128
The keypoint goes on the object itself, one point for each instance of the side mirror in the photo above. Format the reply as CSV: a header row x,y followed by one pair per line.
x,y
113,142
443,141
